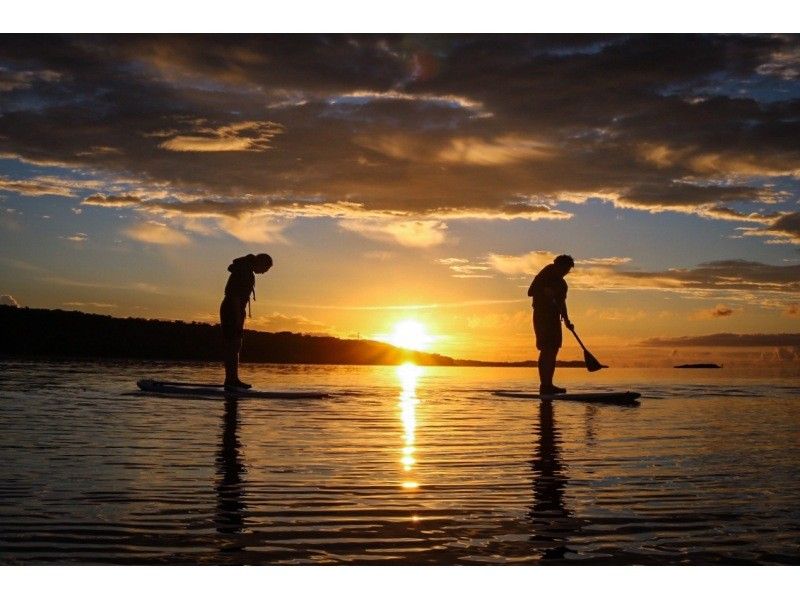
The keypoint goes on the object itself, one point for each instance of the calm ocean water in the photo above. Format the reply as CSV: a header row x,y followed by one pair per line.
x,y
403,465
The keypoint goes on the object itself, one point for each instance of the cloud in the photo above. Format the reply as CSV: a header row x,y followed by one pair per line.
x,y
77,238
502,150
722,275
16,80
529,263
409,233
782,63
250,136
464,269
727,340
254,229
460,124
784,229
603,261
8,300
471,151
35,187
156,233
615,273
727,162
720,311
463,103
112,200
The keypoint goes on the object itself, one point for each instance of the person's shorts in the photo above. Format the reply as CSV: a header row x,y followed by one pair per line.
x,y
231,316
547,328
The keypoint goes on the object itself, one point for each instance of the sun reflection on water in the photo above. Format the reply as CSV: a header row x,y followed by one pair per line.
x,y
409,374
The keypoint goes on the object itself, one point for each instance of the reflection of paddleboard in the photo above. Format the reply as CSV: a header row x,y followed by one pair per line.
x,y
218,390
616,398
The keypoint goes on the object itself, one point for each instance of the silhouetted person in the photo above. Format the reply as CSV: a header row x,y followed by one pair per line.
x,y
549,292
241,285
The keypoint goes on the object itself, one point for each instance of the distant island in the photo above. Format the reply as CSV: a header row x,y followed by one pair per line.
x,y
698,366
27,332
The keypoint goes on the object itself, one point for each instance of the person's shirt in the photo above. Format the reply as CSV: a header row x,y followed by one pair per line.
x,y
242,279
548,278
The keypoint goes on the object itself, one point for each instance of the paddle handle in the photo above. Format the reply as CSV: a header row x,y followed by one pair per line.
x,y
577,338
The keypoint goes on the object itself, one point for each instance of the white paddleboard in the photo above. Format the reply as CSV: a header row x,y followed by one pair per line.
x,y
614,397
165,387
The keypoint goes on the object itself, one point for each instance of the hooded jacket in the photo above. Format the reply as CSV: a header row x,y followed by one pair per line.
x,y
242,281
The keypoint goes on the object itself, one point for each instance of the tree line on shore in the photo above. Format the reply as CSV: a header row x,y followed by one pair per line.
x,y
28,332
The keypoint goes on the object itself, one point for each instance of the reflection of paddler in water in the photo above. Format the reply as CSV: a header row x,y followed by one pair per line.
x,y
552,523
229,519
241,285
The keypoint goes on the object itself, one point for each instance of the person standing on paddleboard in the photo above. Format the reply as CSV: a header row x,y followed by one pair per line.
x,y
232,312
549,293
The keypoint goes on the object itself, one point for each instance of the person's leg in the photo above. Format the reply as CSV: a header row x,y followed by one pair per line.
x,y
547,367
232,318
233,345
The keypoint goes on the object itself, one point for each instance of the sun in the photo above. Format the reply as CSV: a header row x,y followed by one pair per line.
x,y
410,334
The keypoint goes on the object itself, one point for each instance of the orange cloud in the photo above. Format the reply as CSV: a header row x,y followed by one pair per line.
x,y
156,233
410,233
529,263
248,136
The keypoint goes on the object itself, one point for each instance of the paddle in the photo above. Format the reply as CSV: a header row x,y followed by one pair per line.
x,y
591,362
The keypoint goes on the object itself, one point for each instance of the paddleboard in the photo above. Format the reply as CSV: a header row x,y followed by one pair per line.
x,y
615,398
218,390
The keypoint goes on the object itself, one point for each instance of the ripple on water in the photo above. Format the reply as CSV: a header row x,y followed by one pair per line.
x,y
401,465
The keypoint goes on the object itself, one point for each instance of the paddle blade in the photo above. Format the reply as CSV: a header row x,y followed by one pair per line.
x,y
591,363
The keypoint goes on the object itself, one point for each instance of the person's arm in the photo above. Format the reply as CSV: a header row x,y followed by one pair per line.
x,y
565,315
562,307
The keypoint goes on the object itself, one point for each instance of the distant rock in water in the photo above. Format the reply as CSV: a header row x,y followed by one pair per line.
x,y
707,366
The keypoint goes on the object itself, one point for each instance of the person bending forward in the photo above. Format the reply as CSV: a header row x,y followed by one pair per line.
x,y
241,285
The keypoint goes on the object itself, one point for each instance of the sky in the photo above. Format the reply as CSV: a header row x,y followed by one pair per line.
x,y
414,177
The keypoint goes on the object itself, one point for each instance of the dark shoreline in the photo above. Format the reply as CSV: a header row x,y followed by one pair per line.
x,y
73,335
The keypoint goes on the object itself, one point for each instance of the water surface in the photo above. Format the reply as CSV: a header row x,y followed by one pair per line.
x,y
402,465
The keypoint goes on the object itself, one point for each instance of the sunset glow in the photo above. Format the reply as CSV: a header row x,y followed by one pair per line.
x,y
410,334
401,195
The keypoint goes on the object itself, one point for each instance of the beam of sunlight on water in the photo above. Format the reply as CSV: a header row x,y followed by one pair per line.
x,y
409,375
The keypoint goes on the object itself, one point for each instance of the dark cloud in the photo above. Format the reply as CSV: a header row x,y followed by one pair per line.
x,y
788,225
410,123
721,311
728,275
723,276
